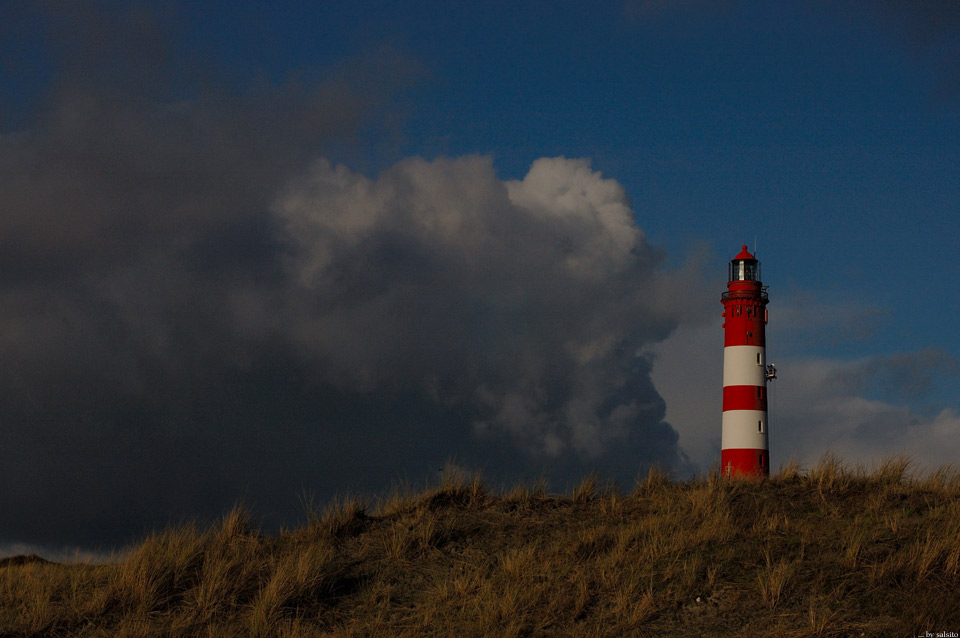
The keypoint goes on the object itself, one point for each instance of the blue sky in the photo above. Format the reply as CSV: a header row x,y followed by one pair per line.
x,y
254,249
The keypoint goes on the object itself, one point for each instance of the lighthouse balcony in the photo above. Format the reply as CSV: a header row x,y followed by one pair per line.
x,y
747,294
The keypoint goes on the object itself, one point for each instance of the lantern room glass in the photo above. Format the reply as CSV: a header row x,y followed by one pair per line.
x,y
744,270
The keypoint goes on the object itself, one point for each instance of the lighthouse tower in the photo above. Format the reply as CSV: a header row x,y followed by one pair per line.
x,y
745,371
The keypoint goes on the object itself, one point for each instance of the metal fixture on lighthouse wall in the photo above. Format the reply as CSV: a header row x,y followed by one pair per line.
x,y
745,371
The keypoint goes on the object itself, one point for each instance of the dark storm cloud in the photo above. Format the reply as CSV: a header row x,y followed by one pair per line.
x,y
190,316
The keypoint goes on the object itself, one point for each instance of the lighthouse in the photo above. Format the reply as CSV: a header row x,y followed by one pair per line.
x,y
745,371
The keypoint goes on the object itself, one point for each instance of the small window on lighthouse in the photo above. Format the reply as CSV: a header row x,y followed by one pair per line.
x,y
760,426
759,362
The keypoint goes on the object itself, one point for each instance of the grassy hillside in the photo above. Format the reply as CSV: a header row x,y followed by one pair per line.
x,y
829,552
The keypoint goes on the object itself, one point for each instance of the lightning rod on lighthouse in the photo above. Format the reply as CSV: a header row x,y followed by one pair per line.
x,y
744,449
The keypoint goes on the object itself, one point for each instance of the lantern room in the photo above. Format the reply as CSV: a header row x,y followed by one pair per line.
x,y
744,267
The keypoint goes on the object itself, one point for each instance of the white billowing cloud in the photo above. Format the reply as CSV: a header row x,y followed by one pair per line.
x,y
833,406
568,194
523,302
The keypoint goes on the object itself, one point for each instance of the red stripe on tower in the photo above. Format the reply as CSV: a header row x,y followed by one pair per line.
x,y
745,371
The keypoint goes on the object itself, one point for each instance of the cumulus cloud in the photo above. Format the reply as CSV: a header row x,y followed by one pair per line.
x,y
523,302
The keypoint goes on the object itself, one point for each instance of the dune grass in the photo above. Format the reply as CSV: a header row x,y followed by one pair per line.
x,y
825,552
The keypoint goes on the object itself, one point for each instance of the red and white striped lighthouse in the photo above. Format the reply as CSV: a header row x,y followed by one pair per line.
x,y
745,371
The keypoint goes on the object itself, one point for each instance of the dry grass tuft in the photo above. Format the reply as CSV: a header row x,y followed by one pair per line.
x,y
655,481
892,471
788,473
587,490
